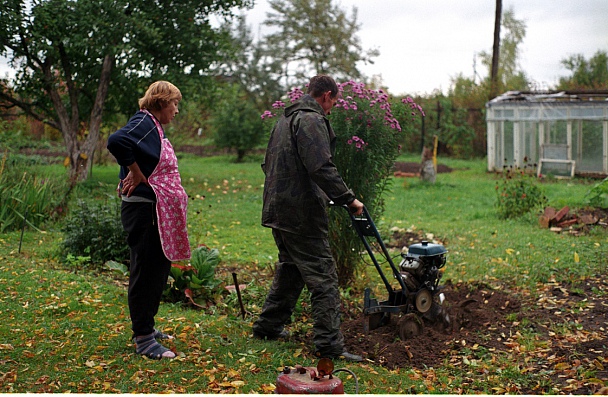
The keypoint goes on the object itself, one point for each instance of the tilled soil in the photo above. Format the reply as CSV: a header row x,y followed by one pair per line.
x,y
571,319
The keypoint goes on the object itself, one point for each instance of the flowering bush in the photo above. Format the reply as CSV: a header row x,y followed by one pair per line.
x,y
368,136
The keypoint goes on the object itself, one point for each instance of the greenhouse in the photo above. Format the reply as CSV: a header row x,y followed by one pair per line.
x,y
560,133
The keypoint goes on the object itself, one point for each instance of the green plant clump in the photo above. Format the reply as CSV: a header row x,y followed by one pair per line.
x,y
196,281
518,194
597,196
95,230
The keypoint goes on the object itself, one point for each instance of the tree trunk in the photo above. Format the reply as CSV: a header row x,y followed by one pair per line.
x,y
495,51
240,155
81,156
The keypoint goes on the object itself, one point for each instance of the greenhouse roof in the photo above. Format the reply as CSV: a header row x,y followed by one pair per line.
x,y
548,106
599,97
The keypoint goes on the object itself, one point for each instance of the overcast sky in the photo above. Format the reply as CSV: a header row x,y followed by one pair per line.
x,y
424,43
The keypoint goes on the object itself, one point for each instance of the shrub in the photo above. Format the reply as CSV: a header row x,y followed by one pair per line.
x,y
236,123
368,136
518,194
95,230
195,281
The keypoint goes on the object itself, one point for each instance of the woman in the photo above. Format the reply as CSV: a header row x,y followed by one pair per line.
x,y
153,210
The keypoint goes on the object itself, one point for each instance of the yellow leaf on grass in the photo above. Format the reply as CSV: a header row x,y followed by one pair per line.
x,y
562,366
269,388
576,258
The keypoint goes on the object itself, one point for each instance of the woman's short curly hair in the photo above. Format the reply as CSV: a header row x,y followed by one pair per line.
x,y
158,94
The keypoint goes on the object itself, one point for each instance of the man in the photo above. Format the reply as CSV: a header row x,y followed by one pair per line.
x,y
301,179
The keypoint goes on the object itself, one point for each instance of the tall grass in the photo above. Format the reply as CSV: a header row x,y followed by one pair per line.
x,y
28,194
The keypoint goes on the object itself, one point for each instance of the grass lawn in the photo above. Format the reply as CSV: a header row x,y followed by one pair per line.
x,y
68,331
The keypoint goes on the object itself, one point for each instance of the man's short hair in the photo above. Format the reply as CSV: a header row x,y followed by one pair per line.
x,y
320,84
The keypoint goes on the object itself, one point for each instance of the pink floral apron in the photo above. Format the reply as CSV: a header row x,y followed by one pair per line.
x,y
171,201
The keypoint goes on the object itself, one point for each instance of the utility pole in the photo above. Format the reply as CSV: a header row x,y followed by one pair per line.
x,y
495,51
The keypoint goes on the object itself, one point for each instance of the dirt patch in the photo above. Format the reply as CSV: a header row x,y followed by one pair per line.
x,y
485,312
571,320
414,168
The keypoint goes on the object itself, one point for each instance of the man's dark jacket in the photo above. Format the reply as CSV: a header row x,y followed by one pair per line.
x,y
301,177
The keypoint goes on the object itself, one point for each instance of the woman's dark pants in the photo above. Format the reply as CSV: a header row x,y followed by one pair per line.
x,y
149,267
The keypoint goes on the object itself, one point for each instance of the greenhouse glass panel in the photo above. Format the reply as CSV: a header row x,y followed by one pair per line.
x,y
554,113
529,142
508,142
588,113
557,169
556,132
498,147
528,114
592,148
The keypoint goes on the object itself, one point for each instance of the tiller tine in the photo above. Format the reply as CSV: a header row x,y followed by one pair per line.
x,y
439,316
464,305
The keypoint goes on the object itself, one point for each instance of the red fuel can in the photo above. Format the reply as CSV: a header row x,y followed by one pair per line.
x,y
306,380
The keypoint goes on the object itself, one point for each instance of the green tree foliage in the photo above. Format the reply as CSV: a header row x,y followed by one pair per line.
x,y
591,74
315,37
236,122
252,65
75,59
451,125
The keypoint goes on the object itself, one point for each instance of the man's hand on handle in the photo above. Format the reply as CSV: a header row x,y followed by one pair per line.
x,y
356,207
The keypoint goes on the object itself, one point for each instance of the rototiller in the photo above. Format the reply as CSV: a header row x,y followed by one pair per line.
x,y
419,295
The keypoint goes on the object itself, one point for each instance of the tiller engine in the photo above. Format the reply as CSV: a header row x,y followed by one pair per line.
x,y
418,297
